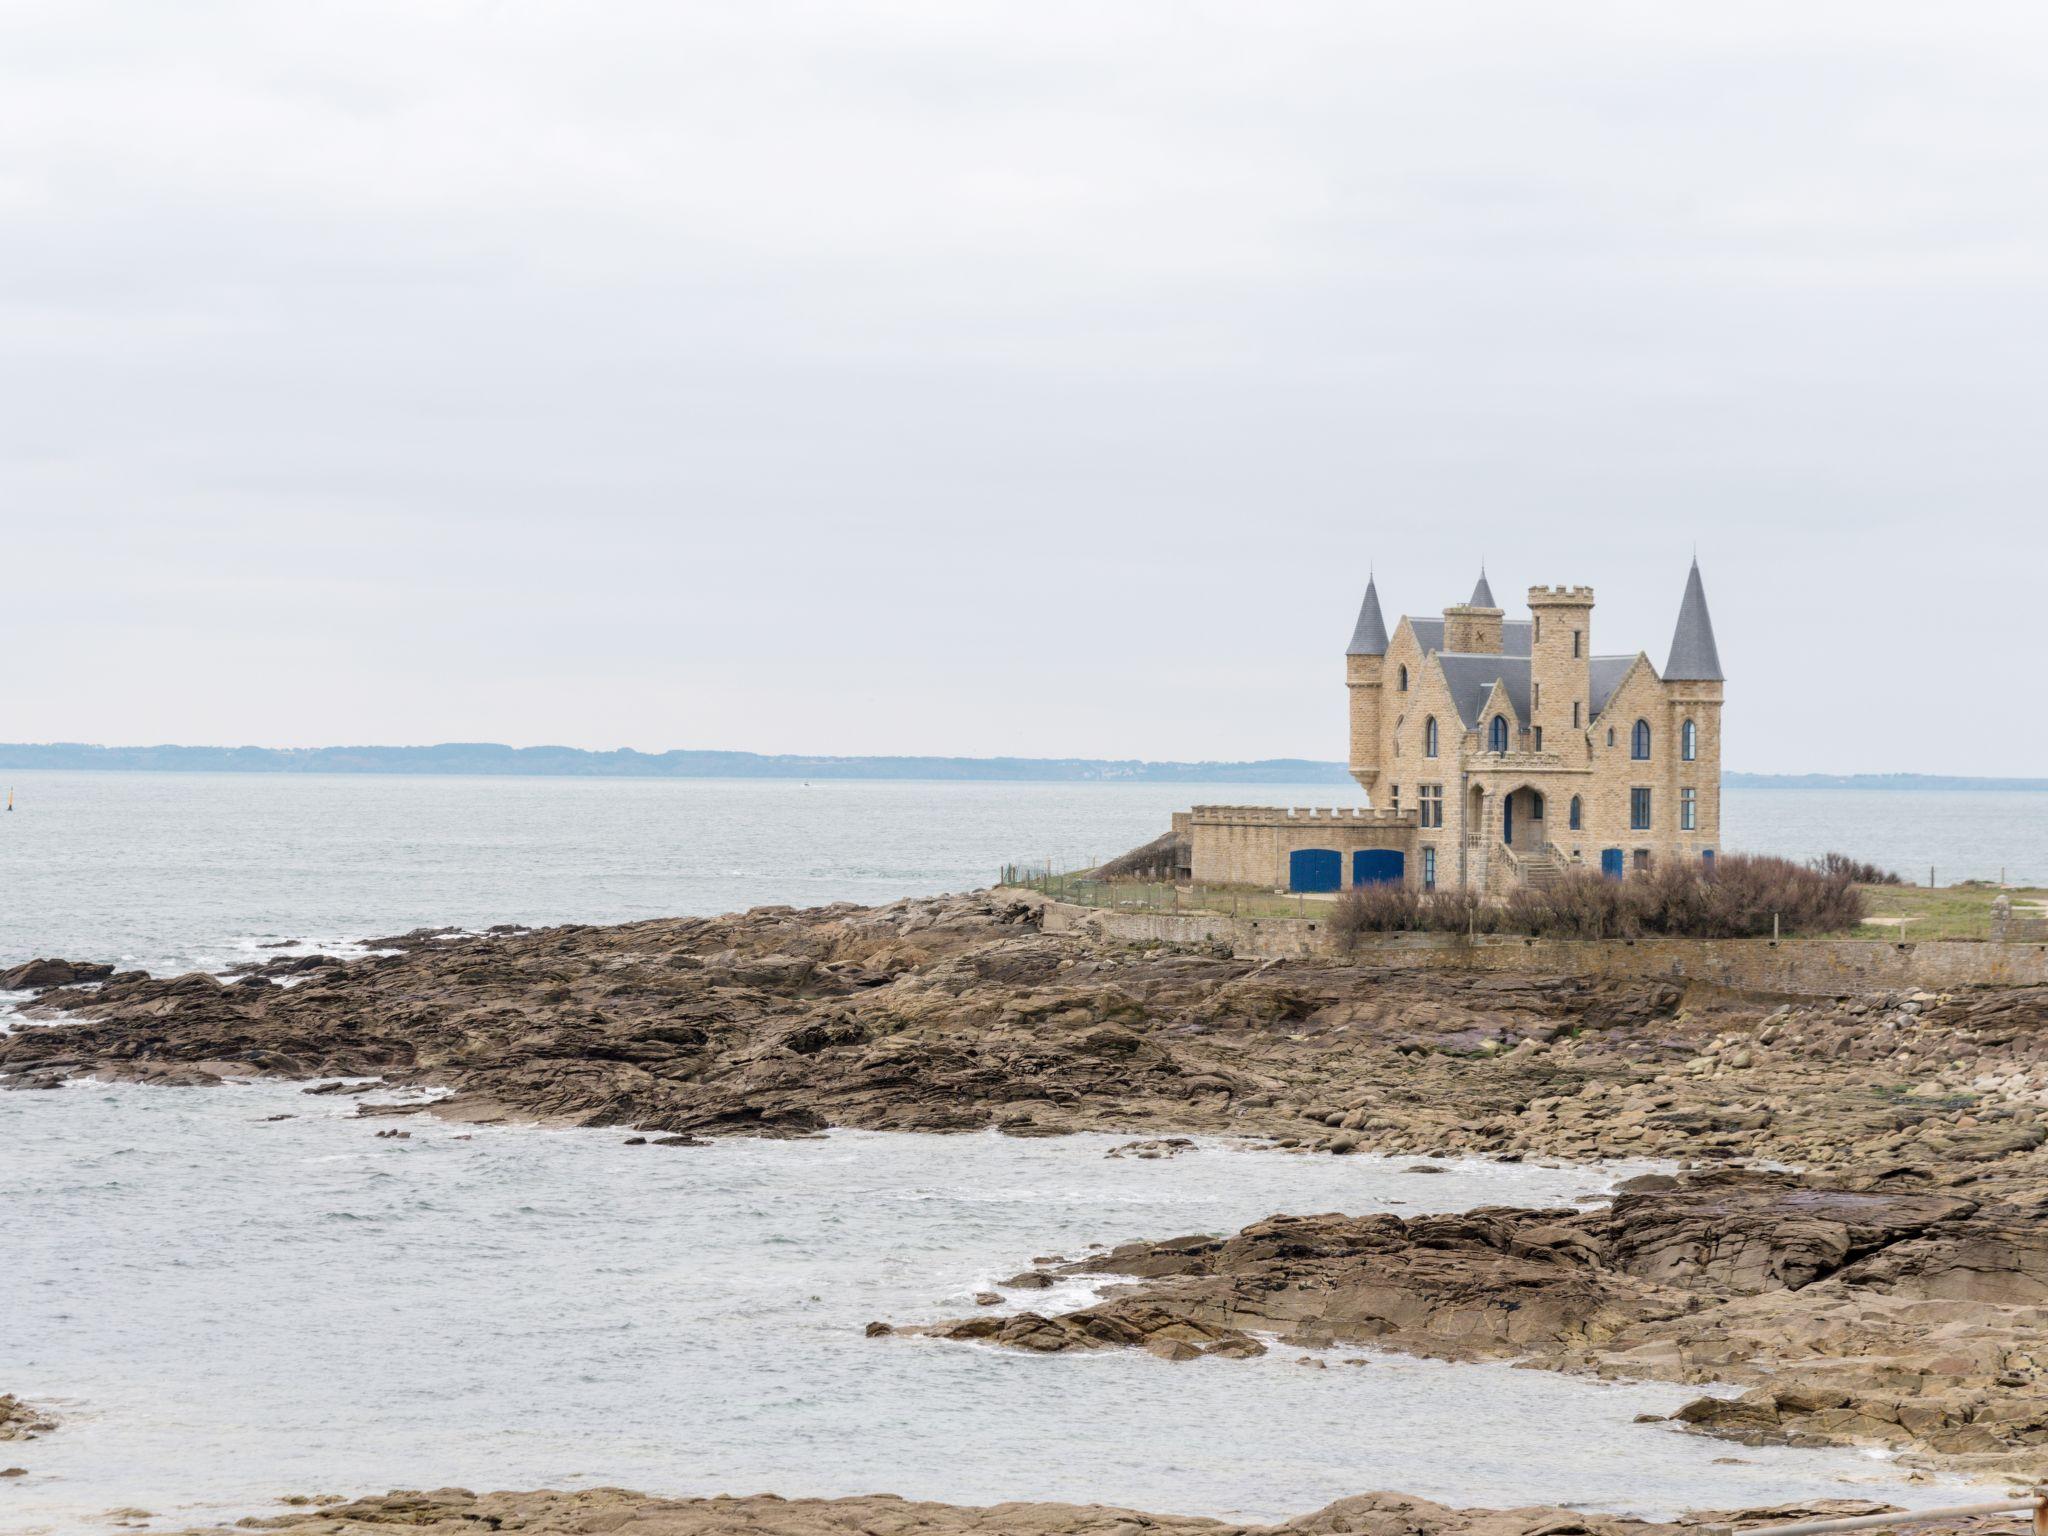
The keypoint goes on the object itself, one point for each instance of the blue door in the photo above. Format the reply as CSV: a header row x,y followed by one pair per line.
x,y
1378,866
1610,863
1315,869
1507,821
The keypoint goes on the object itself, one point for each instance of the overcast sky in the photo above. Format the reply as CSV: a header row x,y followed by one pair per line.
x,y
1031,378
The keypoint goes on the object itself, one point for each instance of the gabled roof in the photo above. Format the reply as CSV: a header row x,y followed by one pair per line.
x,y
1514,635
1471,680
1694,656
1482,595
1603,676
1369,635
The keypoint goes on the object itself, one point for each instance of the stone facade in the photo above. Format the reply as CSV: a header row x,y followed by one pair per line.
x,y
1256,844
1499,751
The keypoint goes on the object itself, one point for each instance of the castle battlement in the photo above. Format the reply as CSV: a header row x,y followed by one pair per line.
x,y
1294,816
1514,762
1561,594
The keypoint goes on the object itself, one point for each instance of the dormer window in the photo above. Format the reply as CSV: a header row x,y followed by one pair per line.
x,y
1497,734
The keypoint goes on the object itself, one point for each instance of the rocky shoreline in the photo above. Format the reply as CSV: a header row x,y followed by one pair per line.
x,y
1890,1292
1859,1310
618,1512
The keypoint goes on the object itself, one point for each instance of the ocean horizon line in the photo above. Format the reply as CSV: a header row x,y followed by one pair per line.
x,y
498,759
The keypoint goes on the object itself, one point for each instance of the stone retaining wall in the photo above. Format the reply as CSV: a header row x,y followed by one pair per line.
x,y
1802,967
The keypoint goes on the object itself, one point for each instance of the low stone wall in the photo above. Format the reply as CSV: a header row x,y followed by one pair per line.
x,y
1799,967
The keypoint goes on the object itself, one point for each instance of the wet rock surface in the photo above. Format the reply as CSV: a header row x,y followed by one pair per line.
x,y
39,975
602,1511
23,1421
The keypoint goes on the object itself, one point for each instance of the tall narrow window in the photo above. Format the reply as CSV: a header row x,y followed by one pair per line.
x,y
1535,695
1610,735
1639,809
1575,714
1689,742
1639,746
1429,737
1535,806
1538,734
1578,816
1688,810
1404,678
1429,869
1577,637
1497,736
1394,797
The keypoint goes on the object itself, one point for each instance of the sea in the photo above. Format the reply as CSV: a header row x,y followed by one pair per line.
x,y
233,1295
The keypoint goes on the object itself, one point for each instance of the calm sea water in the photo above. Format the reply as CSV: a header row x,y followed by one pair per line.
x,y
175,871
230,1308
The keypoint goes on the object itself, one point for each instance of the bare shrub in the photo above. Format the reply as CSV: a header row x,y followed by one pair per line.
x,y
1375,909
1859,871
1737,896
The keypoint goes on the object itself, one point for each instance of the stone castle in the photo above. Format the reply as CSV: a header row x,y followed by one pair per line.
x,y
1497,752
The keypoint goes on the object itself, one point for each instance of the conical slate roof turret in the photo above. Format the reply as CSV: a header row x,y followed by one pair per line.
x,y
1482,595
1369,635
1694,656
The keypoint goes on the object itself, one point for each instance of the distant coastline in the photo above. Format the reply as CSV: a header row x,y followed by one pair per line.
x,y
491,758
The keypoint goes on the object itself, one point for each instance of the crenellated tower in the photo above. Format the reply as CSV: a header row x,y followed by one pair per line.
x,y
1560,671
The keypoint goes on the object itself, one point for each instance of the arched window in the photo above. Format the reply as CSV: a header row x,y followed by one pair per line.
x,y
1497,734
1610,735
1429,737
1689,742
1535,806
1639,743
1404,678
1578,814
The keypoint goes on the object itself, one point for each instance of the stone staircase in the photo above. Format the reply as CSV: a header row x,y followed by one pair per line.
x,y
1542,868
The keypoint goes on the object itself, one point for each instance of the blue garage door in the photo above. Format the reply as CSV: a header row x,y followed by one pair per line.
x,y
1315,869
1610,863
1378,866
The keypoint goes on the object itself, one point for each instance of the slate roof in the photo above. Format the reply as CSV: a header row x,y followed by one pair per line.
x,y
1369,636
1515,635
1694,656
1482,595
1604,675
1471,679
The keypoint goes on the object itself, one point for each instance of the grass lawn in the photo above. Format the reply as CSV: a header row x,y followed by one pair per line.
x,y
1946,912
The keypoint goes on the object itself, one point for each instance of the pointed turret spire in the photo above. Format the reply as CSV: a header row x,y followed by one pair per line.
x,y
1694,656
1369,635
1482,595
